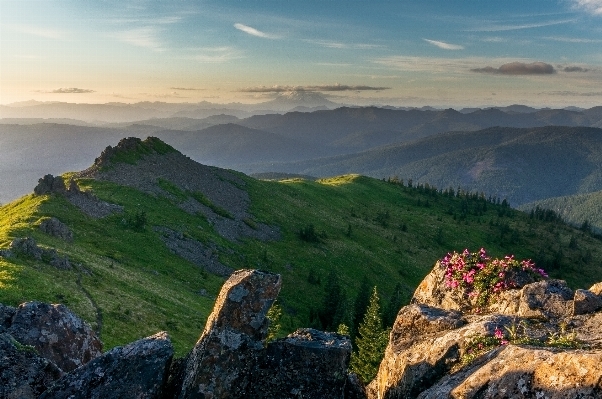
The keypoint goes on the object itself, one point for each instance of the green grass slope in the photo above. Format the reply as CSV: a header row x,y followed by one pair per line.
x,y
128,284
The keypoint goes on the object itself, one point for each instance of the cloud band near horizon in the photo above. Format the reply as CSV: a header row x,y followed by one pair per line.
x,y
336,87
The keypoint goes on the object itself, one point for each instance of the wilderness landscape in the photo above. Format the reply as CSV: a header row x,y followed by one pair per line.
x,y
332,200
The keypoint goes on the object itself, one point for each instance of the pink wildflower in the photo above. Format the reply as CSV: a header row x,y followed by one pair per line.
x,y
504,342
499,334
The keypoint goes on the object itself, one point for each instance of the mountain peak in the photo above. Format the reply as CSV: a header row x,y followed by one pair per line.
x,y
295,98
130,149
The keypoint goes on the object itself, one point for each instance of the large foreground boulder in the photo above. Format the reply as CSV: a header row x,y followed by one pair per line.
x,y
222,363
56,333
521,372
135,371
23,373
306,364
533,340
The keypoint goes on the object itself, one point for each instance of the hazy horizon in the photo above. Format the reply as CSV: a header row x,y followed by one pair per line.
x,y
444,54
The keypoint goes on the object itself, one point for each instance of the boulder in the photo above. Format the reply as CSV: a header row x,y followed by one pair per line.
x,y
425,343
306,364
586,302
433,292
50,184
56,334
354,389
523,372
223,360
135,371
23,373
546,299
596,289
6,317
56,228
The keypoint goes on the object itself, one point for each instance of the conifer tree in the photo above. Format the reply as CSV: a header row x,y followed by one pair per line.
x,y
371,342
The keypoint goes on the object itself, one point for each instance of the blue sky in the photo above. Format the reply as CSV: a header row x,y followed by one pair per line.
x,y
442,53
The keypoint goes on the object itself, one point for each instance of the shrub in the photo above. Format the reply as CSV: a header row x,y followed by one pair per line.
x,y
481,276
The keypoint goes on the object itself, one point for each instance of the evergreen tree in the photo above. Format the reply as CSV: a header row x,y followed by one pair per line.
x,y
392,308
371,342
333,304
361,304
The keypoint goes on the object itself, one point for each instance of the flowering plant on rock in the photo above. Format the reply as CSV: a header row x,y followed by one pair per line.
x,y
480,276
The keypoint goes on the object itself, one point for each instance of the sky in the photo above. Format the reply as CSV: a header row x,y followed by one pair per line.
x,y
454,53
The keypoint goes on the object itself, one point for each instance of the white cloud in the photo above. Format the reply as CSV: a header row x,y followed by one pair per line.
x,y
502,28
443,45
340,45
439,65
216,55
590,6
142,37
254,32
572,39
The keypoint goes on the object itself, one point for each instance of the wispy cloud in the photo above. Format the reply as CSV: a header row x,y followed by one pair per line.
x,y
341,45
591,6
40,32
329,88
575,69
519,68
186,88
573,93
217,54
572,39
67,90
443,45
254,32
146,37
506,27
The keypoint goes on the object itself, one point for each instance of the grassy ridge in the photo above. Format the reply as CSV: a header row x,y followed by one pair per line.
x,y
365,228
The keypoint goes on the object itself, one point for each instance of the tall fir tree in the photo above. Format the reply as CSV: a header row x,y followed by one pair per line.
x,y
371,342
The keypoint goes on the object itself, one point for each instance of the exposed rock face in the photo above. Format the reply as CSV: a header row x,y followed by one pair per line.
x,y
426,344
135,371
50,184
585,302
28,246
56,228
56,334
23,373
546,299
307,364
6,317
223,360
516,372
413,362
194,251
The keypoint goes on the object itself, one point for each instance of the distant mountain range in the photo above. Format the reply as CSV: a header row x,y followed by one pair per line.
x,y
375,141
121,112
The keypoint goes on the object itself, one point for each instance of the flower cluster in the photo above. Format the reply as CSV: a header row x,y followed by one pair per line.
x,y
481,344
481,276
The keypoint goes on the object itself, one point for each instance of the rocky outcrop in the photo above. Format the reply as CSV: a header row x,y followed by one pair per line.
x,y
56,228
306,364
23,373
519,372
55,333
536,340
27,246
230,360
50,184
194,251
222,362
135,371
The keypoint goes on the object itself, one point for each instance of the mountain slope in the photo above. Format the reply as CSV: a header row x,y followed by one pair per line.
x,y
575,209
519,164
154,233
